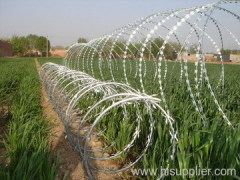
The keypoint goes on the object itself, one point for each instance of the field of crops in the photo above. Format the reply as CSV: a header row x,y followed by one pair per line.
x,y
155,94
208,142
26,154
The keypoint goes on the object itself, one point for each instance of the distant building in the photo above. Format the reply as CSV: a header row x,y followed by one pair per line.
x,y
211,57
234,58
5,49
193,57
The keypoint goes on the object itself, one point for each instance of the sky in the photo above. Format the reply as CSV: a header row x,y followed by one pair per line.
x,y
64,21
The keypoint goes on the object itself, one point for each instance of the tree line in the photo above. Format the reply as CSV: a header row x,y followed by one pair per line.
x,y
230,51
133,49
151,51
27,45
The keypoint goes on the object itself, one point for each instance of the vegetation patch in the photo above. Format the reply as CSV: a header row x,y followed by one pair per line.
x,y
26,141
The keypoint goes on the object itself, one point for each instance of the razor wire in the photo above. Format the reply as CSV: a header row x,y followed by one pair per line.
x,y
143,32
103,72
58,80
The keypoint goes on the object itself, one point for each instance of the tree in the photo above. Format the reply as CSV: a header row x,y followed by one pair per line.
x,y
193,49
20,45
42,43
176,46
229,51
32,38
155,46
119,49
134,49
82,40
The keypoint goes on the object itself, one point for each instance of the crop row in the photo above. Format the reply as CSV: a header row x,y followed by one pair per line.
x,y
27,154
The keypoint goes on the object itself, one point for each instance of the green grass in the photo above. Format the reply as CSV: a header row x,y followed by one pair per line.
x,y
26,141
211,144
205,144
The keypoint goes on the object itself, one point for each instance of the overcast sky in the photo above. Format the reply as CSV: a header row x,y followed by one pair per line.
x,y
64,21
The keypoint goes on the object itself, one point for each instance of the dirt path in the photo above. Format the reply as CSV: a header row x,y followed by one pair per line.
x,y
71,166
70,162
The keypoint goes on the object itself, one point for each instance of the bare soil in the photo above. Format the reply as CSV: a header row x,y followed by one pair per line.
x,y
58,53
70,162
